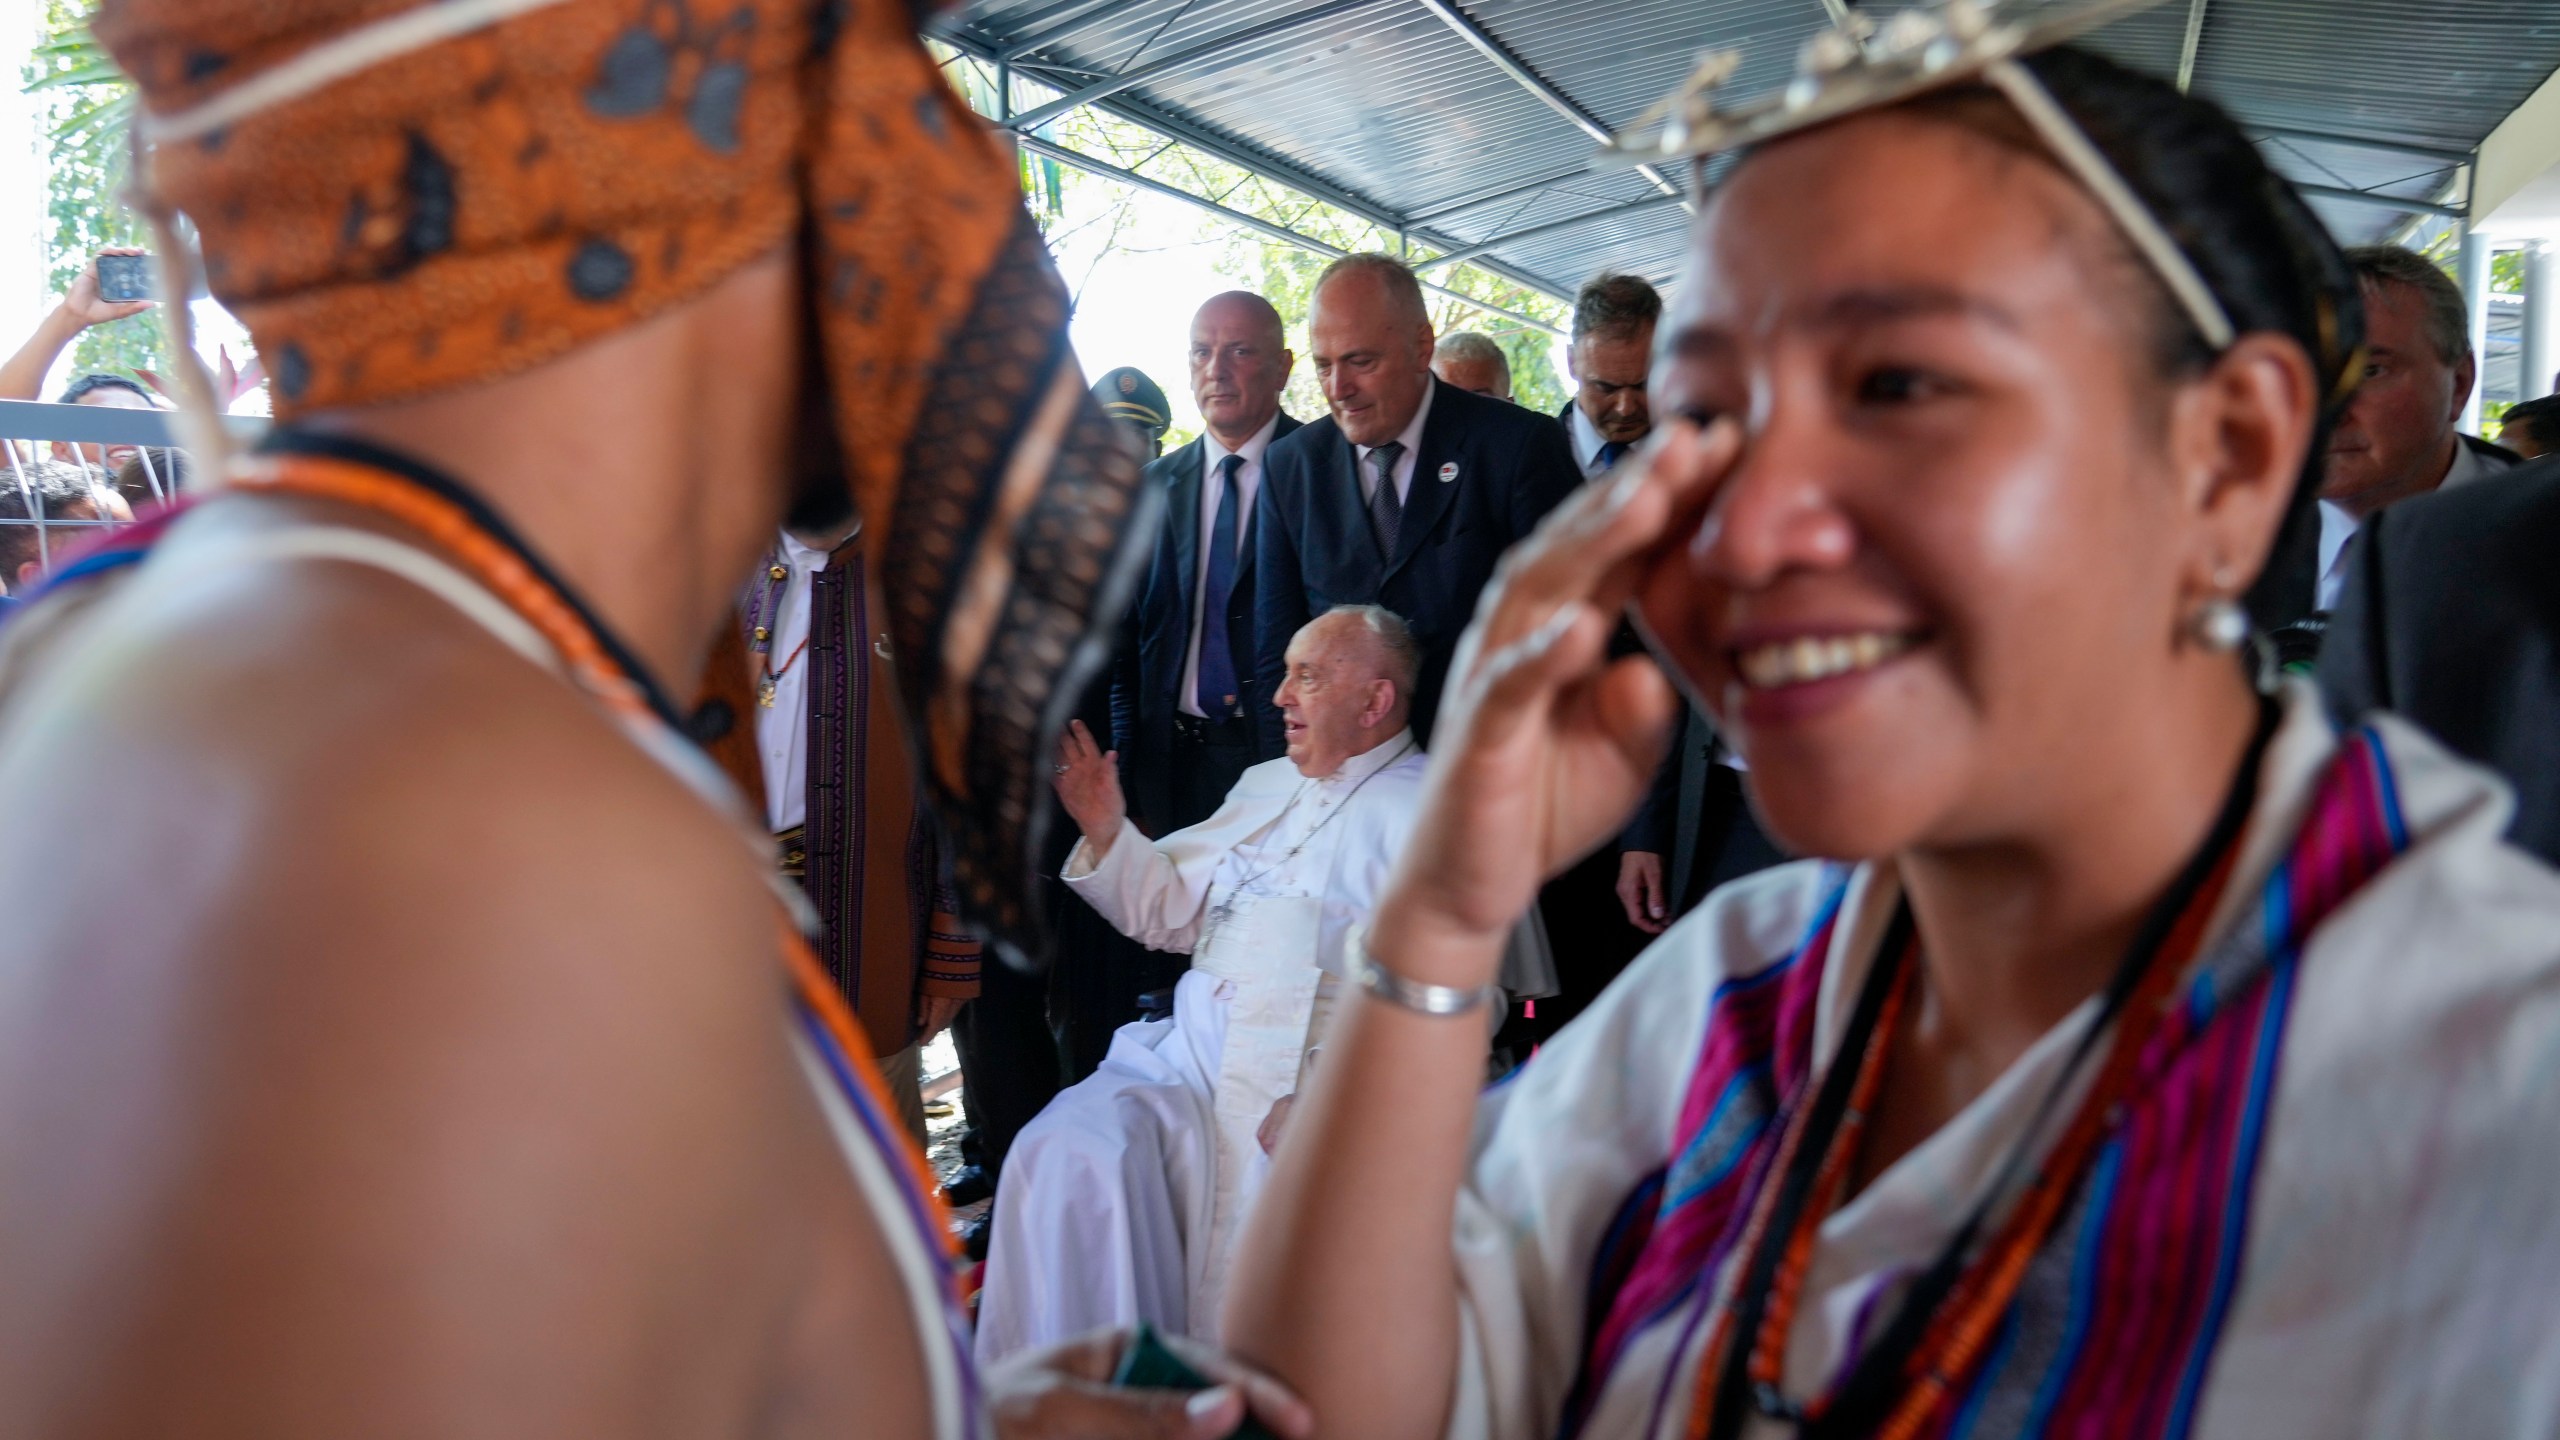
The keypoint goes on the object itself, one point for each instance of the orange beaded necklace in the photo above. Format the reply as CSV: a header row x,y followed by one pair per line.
x,y
1899,1384
597,667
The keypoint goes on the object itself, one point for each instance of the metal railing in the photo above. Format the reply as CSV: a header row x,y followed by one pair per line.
x,y
95,441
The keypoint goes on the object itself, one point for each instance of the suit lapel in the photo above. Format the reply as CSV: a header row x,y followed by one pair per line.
x,y
1431,496
1182,515
1245,546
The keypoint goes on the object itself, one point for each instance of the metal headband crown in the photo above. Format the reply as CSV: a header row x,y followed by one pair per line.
x,y
1857,65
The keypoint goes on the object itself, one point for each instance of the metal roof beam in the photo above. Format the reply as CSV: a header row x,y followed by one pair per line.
x,y
1571,222
1034,119
950,28
1530,80
2393,202
2194,42
2362,142
1219,147
1255,223
1511,192
1086,14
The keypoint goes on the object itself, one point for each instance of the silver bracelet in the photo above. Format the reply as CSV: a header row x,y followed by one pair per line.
x,y
1436,1000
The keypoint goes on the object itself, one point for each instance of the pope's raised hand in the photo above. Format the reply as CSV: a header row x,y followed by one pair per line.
x,y
1545,744
1088,783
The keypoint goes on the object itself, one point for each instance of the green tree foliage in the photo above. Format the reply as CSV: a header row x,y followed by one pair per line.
x,y
87,105
2506,272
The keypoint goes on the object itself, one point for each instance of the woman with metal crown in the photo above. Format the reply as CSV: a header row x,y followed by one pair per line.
x,y
2149,1058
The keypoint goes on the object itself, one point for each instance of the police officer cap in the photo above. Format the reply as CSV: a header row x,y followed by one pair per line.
x,y
1127,394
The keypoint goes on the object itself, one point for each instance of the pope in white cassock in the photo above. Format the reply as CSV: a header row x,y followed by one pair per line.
x,y
1123,1200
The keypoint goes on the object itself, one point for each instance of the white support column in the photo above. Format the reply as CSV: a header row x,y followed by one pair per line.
x,y
2541,319
2475,299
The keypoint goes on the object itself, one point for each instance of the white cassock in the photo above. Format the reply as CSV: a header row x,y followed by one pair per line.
x,y
1123,1200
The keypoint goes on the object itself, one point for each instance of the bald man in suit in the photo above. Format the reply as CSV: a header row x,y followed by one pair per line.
x,y
1405,495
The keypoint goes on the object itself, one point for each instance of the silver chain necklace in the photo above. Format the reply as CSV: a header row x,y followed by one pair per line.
x,y
1225,910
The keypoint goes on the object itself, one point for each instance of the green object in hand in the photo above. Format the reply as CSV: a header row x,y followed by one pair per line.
x,y
1152,1365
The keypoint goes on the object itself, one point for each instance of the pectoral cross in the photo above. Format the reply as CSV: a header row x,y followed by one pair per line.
x,y
765,688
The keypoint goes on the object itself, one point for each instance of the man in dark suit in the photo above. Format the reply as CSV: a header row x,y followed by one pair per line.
x,y
1611,902
1184,700
1404,496
2397,437
1610,356
2450,615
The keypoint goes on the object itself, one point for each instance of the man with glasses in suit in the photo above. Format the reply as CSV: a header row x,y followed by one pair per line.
x,y
1183,696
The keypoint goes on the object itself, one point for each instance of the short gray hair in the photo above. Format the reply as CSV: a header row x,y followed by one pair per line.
x,y
1403,291
1469,347
1399,654
2448,316
1615,306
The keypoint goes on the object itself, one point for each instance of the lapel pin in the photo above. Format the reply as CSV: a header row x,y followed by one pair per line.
x,y
1448,472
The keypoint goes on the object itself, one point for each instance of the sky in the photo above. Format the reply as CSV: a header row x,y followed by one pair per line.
x,y
1134,300
21,180
1134,306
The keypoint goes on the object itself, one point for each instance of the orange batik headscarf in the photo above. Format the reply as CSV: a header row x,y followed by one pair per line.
x,y
400,197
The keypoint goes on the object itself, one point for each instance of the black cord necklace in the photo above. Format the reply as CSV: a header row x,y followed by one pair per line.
x,y
292,440
1877,1377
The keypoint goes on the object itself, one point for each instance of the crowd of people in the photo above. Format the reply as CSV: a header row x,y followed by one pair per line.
x,y
1959,844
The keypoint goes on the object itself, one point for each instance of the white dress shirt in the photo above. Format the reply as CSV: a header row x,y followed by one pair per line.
x,y
1587,439
1212,496
782,731
1411,440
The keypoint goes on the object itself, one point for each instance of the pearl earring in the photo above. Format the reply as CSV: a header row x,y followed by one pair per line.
x,y
2219,625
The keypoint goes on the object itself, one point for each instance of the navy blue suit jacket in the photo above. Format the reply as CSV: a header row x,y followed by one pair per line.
x,y
1487,473
1146,680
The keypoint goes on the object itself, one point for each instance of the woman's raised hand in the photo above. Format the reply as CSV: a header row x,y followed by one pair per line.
x,y
1545,744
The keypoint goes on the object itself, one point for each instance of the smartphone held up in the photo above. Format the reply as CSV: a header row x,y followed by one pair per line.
x,y
123,279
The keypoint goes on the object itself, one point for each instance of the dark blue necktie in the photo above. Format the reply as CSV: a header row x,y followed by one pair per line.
x,y
1216,692
1611,452
1386,507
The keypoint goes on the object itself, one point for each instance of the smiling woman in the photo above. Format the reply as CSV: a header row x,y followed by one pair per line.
x,y
2073,1088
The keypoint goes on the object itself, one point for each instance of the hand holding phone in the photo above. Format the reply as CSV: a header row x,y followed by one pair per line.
x,y
1152,1365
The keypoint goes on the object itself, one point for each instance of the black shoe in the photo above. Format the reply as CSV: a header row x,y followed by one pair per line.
x,y
967,1188
973,1241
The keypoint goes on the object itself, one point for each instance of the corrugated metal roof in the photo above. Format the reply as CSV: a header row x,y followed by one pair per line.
x,y
1385,109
